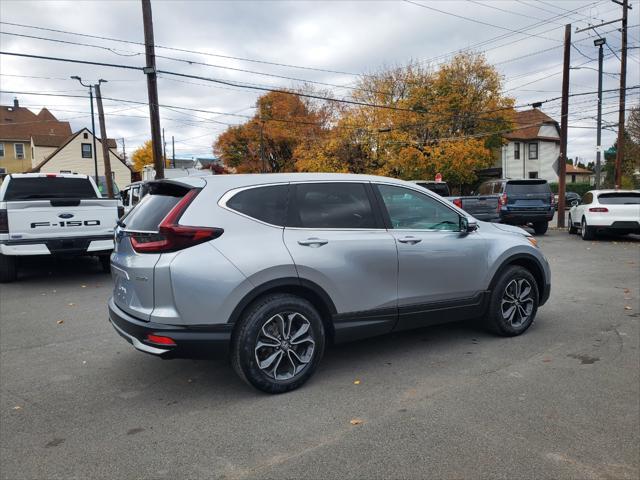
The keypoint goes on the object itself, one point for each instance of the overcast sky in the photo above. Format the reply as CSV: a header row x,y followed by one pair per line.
x,y
349,37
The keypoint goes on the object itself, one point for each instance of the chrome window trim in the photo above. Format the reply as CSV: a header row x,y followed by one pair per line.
x,y
229,194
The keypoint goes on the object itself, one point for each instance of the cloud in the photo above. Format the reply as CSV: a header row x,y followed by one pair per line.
x,y
358,37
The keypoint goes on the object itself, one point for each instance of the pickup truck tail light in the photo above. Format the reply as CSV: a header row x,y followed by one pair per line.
x,y
4,221
171,236
457,202
502,201
599,209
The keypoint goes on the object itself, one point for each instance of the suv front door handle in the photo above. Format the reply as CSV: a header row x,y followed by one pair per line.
x,y
410,240
313,242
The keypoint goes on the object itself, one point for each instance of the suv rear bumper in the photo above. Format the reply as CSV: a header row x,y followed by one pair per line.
x,y
520,217
196,341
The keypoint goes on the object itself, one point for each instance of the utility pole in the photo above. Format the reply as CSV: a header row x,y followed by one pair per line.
x,y
164,149
623,93
564,117
600,42
105,144
173,151
152,87
124,151
93,128
264,165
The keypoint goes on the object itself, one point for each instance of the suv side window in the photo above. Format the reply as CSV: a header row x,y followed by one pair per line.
x,y
331,205
411,210
587,199
267,204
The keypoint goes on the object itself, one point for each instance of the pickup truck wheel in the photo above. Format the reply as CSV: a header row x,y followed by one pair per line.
x,y
514,302
540,227
8,268
571,227
278,343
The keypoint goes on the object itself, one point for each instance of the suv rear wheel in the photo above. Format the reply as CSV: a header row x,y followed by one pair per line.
x,y
8,268
514,302
278,344
587,232
540,227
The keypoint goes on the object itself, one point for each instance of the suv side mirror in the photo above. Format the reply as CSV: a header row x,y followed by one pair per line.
x,y
468,225
574,203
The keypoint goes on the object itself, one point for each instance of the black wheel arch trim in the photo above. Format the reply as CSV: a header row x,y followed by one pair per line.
x,y
292,284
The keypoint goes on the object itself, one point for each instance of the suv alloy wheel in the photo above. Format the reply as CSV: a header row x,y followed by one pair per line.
x,y
278,343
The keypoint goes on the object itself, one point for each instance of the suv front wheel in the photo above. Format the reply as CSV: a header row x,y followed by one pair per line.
x,y
514,302
278,343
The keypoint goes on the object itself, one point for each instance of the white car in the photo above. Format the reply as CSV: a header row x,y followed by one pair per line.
x,y
611,211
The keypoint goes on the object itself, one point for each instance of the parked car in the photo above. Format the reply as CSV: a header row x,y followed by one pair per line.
x,y
53,214
274,267
523,202
441,188
611,211
569,198
132,194
481,207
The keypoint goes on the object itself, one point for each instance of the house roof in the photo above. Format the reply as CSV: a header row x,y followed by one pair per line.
x,y
574,169
111,143
527,125
20,123
49,140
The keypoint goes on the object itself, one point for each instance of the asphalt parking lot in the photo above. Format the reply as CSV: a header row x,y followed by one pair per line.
x,y
561,401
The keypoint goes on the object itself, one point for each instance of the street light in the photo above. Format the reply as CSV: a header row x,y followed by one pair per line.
x,y
93,124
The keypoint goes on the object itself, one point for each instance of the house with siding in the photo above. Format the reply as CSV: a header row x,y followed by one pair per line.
x,y
19,126
75,155
533,147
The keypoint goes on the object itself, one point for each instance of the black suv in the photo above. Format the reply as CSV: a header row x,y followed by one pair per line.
x,y
522,202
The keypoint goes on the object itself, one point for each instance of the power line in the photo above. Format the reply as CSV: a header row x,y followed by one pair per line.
x,y
184,50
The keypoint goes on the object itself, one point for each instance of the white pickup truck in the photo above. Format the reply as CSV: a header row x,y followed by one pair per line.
x,y
53,214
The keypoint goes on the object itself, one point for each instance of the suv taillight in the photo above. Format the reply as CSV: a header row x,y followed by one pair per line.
x,y
599,209
4,221
457,202
553,199
171,236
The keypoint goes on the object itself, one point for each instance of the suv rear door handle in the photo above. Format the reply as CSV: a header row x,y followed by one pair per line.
x,y
313,242
410,240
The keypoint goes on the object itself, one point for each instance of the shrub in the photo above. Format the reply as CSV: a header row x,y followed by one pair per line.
x,y
579,188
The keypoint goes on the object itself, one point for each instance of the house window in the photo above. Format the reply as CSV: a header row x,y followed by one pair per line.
x,y
533,174
86,150
85,135
573,178
19,148
516,151
1,150
533,151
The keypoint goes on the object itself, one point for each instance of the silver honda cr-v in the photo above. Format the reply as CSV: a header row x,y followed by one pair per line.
x,y
272,268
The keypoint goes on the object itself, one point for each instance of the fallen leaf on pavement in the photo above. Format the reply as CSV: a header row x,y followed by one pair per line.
x,y
627,307
546,360
17,407
83,286
71,304
356,382
356,421
60,322
626,290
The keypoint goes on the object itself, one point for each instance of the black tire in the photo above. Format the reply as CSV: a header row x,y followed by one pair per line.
x,y
540,227
245,352
587,232
495,319
8,268
105,263
571,227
